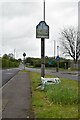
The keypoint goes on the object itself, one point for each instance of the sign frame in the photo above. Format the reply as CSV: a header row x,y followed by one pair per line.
x,y
58,58
42,30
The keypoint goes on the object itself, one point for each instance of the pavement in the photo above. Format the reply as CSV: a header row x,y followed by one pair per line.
x,y
17,97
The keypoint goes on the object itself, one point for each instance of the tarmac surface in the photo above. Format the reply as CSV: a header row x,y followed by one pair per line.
x,y
7,74
74,75
17,97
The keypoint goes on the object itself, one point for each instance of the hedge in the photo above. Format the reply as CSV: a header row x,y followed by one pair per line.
x,y
9,64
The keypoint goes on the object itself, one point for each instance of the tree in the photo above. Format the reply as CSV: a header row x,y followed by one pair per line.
x,y
19,60
11,55
5,56
70,36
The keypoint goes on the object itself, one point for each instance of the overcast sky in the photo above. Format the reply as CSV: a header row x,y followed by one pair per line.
x,y
18,20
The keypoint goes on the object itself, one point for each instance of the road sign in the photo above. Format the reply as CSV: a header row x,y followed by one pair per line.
x,y
50,62
24,54
57,58
42,30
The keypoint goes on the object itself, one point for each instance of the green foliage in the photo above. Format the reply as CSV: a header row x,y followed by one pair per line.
x,y
5,56
64,64
37,63
8,61
46,105
49,62
5,63
29,60
9,64
61,94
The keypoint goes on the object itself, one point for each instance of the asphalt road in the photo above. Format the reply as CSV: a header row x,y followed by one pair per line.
x,y
7,74
60,74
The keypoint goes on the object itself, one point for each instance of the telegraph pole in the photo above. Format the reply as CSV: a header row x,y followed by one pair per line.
x,y
57,69
14,53
75,49
44,10
57,50
54,48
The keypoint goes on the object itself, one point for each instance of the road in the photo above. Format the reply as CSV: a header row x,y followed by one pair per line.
x,y
60,74
7,74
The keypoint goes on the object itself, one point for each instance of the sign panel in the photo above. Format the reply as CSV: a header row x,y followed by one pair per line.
x,y
42,30
57,58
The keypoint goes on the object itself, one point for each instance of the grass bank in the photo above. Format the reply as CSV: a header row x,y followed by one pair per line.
x,y
56,101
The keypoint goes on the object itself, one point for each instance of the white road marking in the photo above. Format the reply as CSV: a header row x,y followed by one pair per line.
x,y
8,73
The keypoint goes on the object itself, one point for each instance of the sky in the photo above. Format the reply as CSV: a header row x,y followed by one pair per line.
x,y
18,21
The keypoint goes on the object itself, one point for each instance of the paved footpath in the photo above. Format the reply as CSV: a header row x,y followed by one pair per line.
x,y
16,97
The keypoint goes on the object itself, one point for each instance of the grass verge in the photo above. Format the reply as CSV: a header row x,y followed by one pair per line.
x,y
56,101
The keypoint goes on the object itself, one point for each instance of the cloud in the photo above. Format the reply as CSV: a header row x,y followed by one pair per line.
x,y
13,9
19,20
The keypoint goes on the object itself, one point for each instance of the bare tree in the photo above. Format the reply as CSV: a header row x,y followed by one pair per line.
x,y
70,42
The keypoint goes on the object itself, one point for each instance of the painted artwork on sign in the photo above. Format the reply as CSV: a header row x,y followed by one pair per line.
x,y
42,30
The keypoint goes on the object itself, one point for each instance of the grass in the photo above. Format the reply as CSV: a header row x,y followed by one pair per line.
x,y
56,101
61,95
63,69
24,71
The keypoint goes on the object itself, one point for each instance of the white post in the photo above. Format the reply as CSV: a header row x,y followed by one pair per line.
x,y
54,48
57,50
75,49
14,53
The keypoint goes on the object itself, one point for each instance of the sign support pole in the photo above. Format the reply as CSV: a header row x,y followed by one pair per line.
x,y
42,31
43,49
57,69
42,57
24,62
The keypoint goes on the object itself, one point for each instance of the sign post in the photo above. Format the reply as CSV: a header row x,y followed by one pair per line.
x,y
24,54
42,57
57,59
42,31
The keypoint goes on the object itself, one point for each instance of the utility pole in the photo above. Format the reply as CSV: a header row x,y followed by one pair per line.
x,y
57,69
14,53
54,48
43,48
57,50
75,50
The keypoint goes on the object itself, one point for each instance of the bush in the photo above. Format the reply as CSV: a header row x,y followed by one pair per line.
x,y
61,95
37,63
9,64
64,64
5,63
16,64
